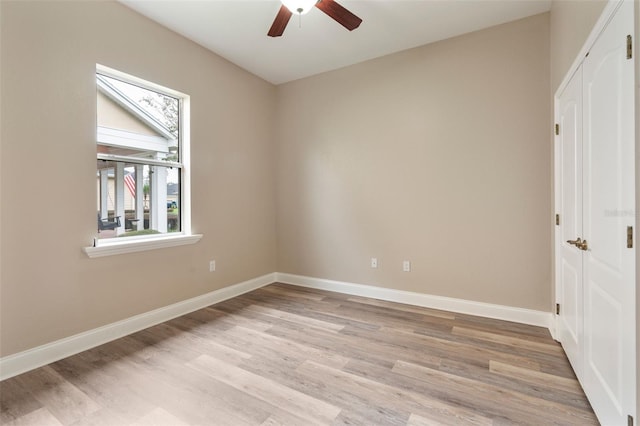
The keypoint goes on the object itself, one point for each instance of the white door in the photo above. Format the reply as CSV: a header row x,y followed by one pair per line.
x,y
609,369
569,207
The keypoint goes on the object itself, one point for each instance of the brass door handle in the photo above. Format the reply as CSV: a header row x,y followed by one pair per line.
x,y
582,245
575,242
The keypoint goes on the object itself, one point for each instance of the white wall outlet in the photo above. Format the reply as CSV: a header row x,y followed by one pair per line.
x,y
406,266
374,262
212,265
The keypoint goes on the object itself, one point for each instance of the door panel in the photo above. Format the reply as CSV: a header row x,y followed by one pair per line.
x,y
605,326
569,206
571,313
609,203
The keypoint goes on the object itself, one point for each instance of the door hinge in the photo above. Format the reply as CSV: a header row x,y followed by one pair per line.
x,y
557,309
557,219
629,47
629,420
629,236
557,129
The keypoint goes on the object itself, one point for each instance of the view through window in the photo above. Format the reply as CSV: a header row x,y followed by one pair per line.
x,y
139,160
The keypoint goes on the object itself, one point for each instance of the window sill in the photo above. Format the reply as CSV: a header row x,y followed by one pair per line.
x,y
123,247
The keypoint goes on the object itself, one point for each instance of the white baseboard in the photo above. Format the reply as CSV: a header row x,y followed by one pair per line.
x,y
21,362
507,313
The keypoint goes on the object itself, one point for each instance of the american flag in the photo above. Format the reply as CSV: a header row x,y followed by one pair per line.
x,y
130,182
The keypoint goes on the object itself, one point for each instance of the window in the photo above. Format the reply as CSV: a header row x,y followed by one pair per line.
x,y
141,164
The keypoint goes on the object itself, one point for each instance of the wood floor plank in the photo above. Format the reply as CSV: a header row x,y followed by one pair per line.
x,y
15,401
537,378
288,347
245,317
356,409
298,319
453,348
543,392
159,416
362,346
331,314
199,345
416,420
380,317
63,400
492,324
535,409
285,355
514,342
161,379
415,385
232,320
190,396
297,403
103,417
41,416
406,308
120,397
382,394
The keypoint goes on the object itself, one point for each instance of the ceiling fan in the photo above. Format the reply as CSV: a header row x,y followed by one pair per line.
x,y
339,14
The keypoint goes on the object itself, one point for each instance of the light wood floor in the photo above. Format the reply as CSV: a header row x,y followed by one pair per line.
x,y
293,356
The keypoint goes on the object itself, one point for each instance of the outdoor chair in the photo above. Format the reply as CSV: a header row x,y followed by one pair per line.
x,y
106,224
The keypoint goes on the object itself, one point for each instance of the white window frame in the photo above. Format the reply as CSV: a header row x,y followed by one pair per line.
x,y
114,246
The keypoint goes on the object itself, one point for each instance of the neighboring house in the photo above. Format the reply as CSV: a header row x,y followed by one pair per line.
x,y
173,193
126,128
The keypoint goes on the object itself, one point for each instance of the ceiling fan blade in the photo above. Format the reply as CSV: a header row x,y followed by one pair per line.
x,y
280,23
339,14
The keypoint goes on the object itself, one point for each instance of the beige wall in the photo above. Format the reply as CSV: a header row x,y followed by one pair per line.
x,y
50,288
571,23
439,155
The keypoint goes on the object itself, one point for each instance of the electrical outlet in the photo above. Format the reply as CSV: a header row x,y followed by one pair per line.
x,y
406,266
374,262
212,265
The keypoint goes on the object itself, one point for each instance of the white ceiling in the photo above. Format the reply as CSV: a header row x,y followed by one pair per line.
x,y
237,29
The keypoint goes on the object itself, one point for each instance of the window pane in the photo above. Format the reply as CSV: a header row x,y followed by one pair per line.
x,y
136,122
136,199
